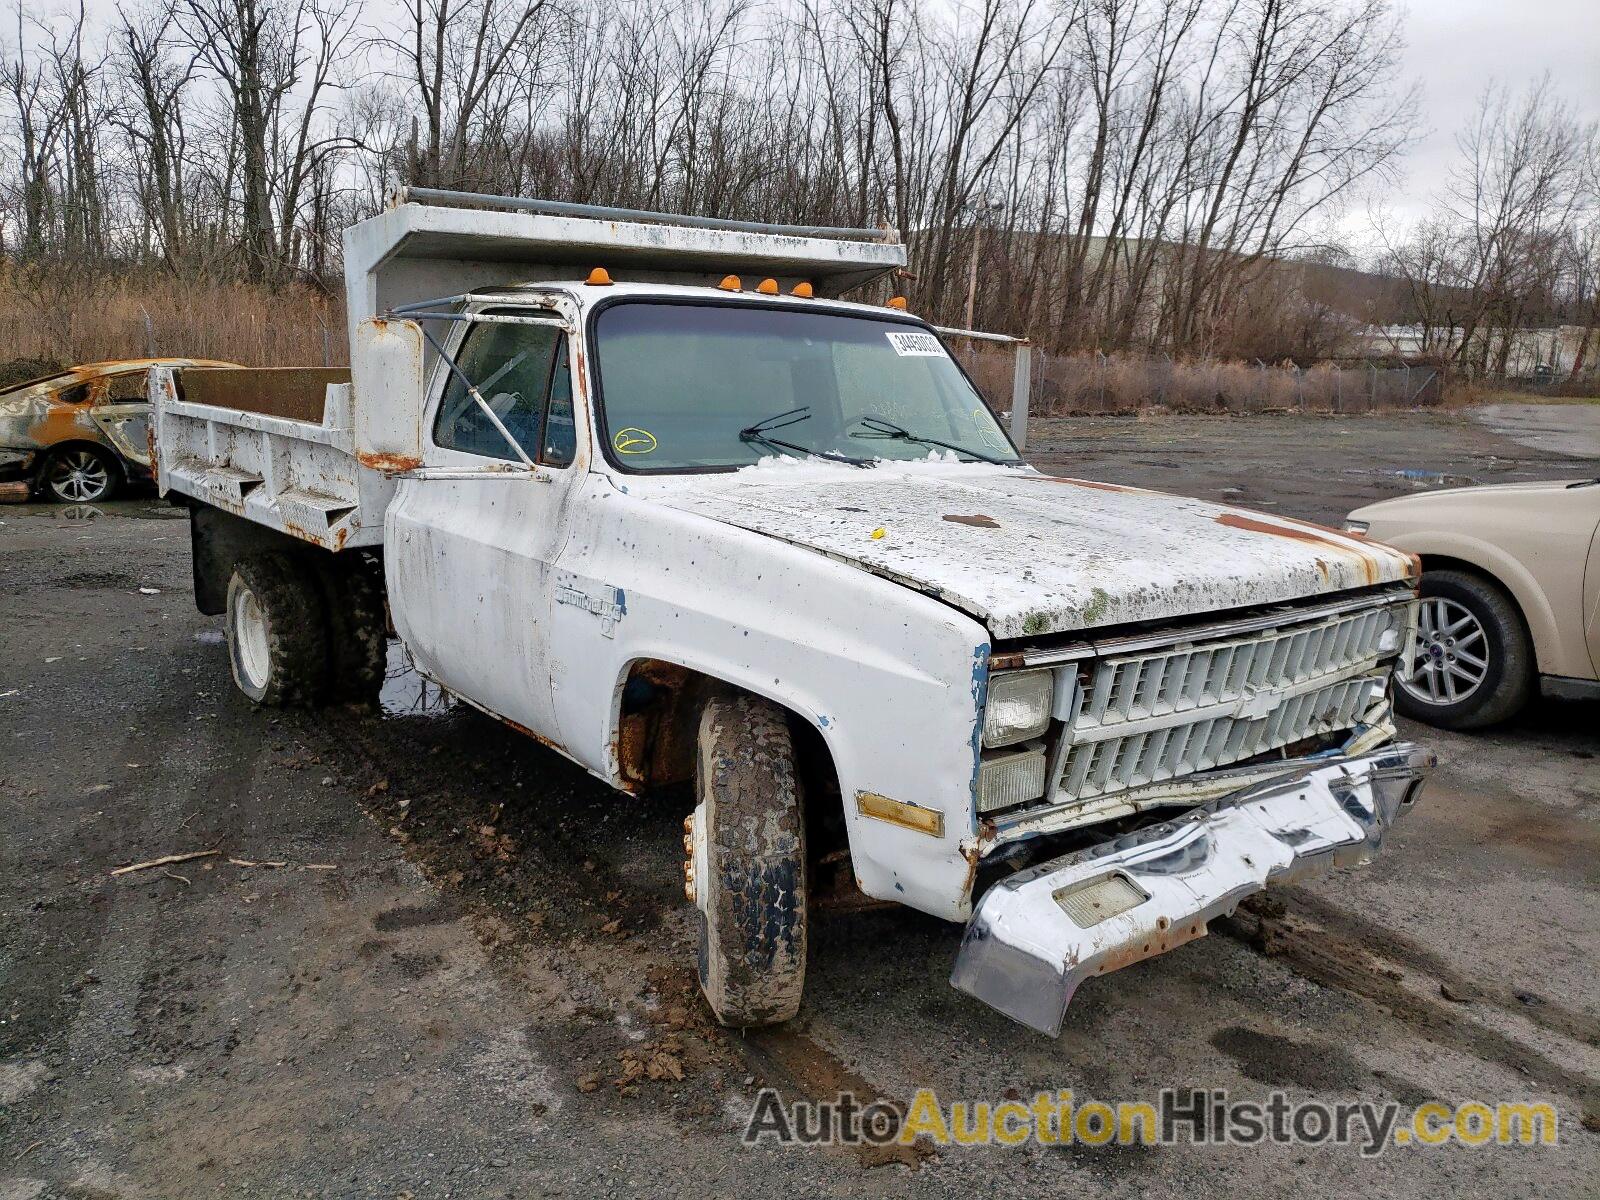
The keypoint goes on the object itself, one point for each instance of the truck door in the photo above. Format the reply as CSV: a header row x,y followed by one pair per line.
x,y
471,538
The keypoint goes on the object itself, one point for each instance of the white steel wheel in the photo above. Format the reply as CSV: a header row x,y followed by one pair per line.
x,y
277,631
79,475
1452,656
250,638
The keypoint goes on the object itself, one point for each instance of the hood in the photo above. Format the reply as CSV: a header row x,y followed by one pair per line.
x,y
1441,498
1030,554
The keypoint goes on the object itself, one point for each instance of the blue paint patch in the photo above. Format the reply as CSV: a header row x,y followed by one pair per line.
x,y
620,599
980,692
824,721
899,887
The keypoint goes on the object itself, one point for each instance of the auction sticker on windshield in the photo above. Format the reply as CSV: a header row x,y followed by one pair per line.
x,y
915,345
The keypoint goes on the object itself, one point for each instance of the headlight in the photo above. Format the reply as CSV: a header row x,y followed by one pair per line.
x,y
1018,707
1359,528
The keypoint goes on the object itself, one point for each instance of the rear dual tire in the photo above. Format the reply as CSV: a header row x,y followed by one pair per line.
x,y
305,634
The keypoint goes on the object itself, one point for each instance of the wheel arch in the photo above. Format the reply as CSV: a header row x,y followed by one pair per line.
x,y
1511,577
218,539
655,709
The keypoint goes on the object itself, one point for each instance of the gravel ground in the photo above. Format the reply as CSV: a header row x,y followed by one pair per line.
x,y
471,976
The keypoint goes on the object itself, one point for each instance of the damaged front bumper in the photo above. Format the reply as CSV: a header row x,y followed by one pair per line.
x,y
1040,933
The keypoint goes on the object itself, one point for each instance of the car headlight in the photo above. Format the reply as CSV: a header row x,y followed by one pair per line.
x,y
1018,706
1359,528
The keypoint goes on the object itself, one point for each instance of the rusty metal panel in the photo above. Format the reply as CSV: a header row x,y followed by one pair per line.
x,y
295,393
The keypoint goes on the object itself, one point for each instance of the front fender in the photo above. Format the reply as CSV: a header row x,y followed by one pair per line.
x,y
885,675
1555,655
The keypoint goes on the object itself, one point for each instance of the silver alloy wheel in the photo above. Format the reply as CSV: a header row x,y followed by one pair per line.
x,y
78,476
250,639
1452,653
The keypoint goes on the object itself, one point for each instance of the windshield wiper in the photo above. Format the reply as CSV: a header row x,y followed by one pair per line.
x,y
889,430
760,432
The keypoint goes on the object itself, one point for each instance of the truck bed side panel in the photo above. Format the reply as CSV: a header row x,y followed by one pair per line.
x,y
294,476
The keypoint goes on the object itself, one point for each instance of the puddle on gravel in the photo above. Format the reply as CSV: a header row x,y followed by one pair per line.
x,y
1415,478
111,510
406,693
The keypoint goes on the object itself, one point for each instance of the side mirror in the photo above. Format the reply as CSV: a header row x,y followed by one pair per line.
x,y
387,394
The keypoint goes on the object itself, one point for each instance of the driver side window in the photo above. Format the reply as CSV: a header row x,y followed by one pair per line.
x,y
516,368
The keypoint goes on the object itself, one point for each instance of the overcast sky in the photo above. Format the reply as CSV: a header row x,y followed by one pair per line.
x,y
1454,47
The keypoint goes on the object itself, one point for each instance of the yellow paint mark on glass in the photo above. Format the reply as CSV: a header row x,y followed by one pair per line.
x,y
634,441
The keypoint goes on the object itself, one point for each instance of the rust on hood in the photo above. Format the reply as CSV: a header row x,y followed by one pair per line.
x,y
1365,556
1057,560
977,519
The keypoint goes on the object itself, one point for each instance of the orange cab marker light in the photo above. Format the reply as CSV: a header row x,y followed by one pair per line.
x,y
730,283
768,287
599,277
898,302
803,290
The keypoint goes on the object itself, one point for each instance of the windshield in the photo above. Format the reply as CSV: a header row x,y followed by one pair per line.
x,y
705,386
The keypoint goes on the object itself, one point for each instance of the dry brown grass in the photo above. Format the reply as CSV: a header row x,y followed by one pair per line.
x,y
1090,383
1471,395
66,316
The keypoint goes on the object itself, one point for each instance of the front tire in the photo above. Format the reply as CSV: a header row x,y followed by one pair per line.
x,y
1474,663
277,631
747,871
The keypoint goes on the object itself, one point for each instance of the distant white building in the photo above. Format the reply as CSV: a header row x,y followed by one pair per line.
x,y
1533,351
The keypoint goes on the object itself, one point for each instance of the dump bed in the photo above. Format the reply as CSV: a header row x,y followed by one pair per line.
x,y
275,446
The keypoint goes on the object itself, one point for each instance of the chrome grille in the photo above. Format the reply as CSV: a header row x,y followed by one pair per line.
x,y
1165,713
1136,686
1113,764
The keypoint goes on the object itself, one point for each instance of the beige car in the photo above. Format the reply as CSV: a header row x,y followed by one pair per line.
x,y
1510,596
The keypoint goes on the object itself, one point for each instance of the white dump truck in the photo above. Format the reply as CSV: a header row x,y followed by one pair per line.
x,y
643,487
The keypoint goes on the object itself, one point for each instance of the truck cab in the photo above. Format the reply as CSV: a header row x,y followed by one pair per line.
x,y
652,491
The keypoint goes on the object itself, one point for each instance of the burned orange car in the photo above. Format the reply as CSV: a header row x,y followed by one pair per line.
x,y
81,434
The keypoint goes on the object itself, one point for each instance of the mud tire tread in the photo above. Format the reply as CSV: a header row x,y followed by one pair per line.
x,y
358,631
753,938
